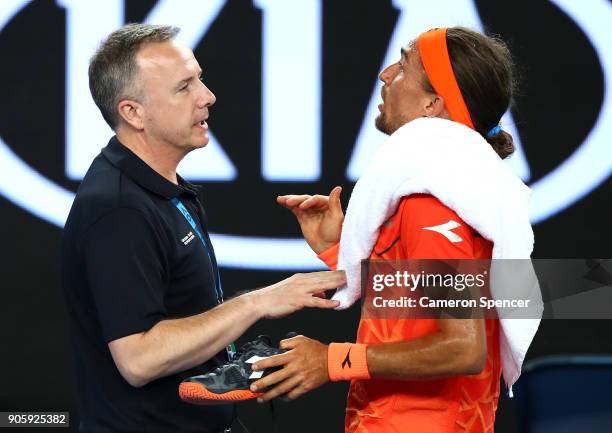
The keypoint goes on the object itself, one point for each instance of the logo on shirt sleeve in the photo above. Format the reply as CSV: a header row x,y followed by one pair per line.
x,y
446,230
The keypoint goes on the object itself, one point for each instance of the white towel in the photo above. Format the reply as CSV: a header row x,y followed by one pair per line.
x,y
456,165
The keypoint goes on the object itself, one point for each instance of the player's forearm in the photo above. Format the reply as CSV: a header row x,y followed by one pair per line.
x,y
433,356
178,344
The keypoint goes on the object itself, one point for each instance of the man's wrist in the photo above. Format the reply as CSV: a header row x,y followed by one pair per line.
x,y
347,361
256,302
330,256
323,246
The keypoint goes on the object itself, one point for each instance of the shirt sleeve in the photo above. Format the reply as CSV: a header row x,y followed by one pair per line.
x,y
124,260
431,230
330,256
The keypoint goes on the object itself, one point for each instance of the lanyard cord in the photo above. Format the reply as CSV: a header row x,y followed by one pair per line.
x,y
231,348
181,207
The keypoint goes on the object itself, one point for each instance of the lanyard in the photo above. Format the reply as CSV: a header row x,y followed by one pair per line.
x,y
181,207
231,349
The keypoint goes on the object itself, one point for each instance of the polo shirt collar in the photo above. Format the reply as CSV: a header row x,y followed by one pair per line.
x,y
135,168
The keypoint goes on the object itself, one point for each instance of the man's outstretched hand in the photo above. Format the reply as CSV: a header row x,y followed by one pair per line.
x,y
297,292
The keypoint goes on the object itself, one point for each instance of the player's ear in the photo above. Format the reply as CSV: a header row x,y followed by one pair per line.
x,y
434,106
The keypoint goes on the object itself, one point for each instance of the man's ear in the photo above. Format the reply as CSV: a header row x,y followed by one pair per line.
x,y
435,107
132,113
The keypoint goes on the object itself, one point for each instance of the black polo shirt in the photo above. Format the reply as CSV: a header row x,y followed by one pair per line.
x,y
130,258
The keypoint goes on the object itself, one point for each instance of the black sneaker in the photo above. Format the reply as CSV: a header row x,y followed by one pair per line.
x,y
231,381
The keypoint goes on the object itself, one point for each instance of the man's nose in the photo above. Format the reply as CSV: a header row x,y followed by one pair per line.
x,y
386,75
206,97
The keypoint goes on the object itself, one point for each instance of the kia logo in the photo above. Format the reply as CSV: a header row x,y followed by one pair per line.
x,y
291,130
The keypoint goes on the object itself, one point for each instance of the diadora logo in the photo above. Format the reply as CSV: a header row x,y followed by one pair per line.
x,y
446,230
347,360
187,238
291,89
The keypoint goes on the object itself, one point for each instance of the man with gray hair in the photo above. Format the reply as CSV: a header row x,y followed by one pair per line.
x,y
143,295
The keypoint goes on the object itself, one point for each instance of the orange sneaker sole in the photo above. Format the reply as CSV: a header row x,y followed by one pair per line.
x,y
196,393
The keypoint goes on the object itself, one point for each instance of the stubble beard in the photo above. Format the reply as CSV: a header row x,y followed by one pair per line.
x,y
382,124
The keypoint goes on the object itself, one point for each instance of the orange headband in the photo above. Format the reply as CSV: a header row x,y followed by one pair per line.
x,y
434,55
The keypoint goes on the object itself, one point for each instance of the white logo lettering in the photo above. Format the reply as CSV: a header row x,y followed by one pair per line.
x,y
188,238
291,132
290,136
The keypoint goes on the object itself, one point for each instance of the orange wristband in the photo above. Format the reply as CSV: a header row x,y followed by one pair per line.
x,y
346,361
